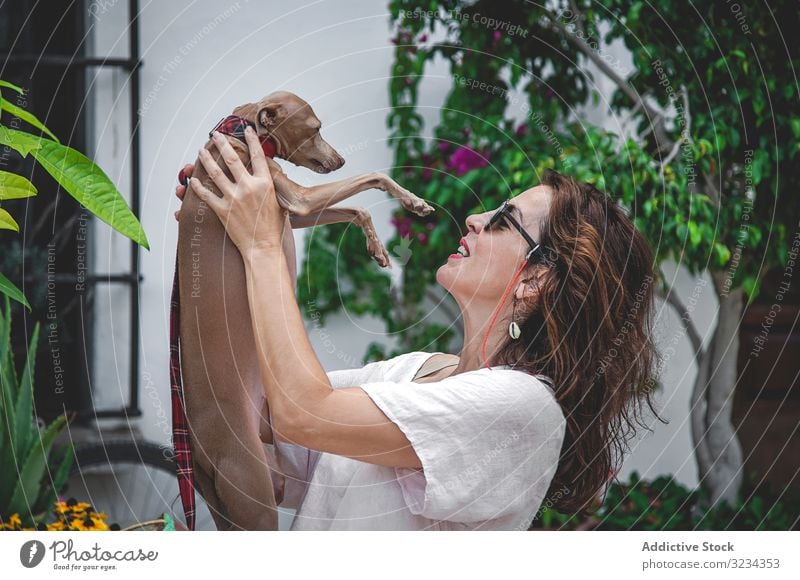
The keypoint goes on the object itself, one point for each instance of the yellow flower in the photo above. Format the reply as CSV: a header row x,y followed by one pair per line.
x,y
79,516
15,521
61,506
99,524
88,523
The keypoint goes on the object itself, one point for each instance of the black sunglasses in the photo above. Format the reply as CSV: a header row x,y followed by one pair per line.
x,y
504,212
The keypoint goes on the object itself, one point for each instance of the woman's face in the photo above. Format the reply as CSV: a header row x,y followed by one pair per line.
x,y
494,255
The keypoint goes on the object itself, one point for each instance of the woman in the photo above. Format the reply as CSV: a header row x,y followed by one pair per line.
x,y
539,399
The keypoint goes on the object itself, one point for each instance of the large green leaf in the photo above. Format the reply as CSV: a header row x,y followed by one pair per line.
x,y
5,343
64,459
64,465
13,186
10,290
87,183
21,142
24,404
6,399
7,222
8,389
82,179
8,475
33,469
8,85
4,437
26,116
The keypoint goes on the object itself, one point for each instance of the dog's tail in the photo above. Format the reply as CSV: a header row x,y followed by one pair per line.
x,y
180,425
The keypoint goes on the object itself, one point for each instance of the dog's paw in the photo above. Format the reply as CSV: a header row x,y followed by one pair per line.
x,y
378,252
382,258
416,205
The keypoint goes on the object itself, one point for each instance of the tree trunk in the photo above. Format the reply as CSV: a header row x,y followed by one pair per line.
x,y
717,448
702,453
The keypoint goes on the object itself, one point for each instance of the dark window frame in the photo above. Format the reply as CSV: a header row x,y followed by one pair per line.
x,y
79,64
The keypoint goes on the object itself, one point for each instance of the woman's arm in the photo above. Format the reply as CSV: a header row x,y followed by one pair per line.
x,y
306,410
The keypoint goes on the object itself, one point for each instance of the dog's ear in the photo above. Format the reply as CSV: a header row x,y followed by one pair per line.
x,y
271,115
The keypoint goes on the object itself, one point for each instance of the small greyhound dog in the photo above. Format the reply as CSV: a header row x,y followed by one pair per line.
x,y
226,413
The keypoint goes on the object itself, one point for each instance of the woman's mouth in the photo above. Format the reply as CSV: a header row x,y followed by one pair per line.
x,y
463,250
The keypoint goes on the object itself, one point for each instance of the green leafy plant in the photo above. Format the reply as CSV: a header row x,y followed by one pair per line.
x,y
661,504
664,504
76,174
31,473
709,182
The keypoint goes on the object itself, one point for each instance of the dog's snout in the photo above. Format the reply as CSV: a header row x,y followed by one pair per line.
x,y
333,162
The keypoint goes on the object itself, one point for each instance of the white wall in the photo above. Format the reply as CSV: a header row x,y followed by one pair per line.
x,y
199,63
204,58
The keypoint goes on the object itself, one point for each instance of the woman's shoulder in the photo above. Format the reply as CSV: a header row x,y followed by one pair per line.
x,y
402,360
536,390
391,369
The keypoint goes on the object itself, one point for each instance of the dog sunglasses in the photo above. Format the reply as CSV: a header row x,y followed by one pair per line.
x,y
504,213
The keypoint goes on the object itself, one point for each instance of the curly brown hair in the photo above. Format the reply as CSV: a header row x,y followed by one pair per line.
x,y
589,331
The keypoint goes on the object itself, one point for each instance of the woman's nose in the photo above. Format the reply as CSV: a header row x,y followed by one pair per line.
x,y
474,223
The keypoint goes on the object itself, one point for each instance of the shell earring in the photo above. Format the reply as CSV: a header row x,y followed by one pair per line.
x,y
513,328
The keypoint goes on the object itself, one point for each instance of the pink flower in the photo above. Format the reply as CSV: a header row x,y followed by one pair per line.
x,y
497,36
522,130
403,37
403,225
465,159
423,38
423,238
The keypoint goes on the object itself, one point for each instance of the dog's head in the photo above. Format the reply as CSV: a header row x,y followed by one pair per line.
x,y
294,127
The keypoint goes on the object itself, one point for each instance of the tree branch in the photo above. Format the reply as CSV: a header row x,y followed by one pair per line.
x,y
685,137
656,118
579,16
712,188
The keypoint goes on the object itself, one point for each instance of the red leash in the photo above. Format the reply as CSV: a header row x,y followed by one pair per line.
x,y
180,424
234,126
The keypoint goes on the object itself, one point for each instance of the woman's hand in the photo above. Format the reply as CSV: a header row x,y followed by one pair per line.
x,y
248,208
180,190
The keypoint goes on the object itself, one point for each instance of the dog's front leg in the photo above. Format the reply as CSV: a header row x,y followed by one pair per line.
x,y
303,201
356,215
